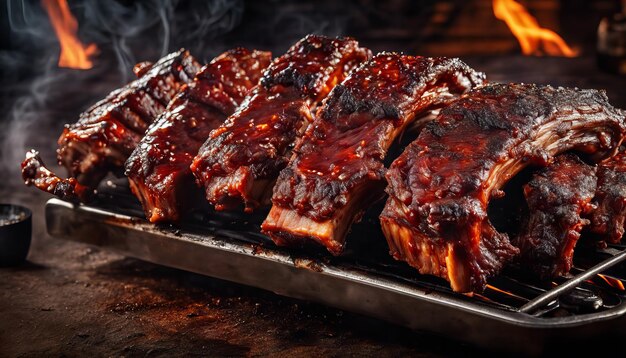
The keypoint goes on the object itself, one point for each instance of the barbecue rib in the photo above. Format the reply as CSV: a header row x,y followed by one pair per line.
x,y
556,197
436,215
337,170
607,220
107,133
35,173
158,169
242,158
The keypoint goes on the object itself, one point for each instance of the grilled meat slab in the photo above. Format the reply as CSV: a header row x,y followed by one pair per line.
x,y
607,220
557,196
242,158
337,168
158,169
107,133
439,189
34,172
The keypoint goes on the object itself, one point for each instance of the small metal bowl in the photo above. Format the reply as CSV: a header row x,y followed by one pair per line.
x,y
15,234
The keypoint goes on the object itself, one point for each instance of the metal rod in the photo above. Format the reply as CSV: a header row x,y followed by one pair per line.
x,y
522,285
548,296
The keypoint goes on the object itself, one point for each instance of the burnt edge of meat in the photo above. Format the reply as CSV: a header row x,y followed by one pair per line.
x,y
310,63
313,190
242,158
108,131
158,169
440,187
337,168
607,220
34,172
556,196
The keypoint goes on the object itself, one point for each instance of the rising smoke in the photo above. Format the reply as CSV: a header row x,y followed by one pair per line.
x,y
38,97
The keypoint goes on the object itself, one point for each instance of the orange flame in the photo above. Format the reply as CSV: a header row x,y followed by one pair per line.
x,y
613,282
494,288
534,39
73,53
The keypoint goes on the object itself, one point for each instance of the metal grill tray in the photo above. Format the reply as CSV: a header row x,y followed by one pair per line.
x,y
390,292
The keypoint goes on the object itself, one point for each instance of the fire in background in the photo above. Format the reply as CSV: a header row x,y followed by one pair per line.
x,y
73,53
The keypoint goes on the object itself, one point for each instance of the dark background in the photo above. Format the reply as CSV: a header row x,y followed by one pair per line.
x,y
37,97
70,299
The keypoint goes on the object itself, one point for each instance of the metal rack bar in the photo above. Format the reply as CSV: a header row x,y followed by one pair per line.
x,y
413,301
550,295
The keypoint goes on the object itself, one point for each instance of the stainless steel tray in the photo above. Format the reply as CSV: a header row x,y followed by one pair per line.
x,y
224,255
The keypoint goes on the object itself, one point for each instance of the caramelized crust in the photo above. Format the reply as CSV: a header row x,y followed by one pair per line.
x,y
440,187
556,198
34,172
158,169
337,168
107,133
607,221
242,158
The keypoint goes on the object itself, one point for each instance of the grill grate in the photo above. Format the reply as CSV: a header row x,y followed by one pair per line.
x,y
595,284
514,313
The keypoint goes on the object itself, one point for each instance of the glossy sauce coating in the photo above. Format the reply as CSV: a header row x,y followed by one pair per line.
x,y
253,144
345,146
607,221
441,185
159,167
107,132
557,196
35,173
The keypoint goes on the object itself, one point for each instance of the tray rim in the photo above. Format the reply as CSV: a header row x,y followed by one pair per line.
x,y
352,274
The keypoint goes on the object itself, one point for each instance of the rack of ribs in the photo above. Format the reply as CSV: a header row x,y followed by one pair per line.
x,y
439,189
158,169
337,168
107,133
557,196
241,159
607,220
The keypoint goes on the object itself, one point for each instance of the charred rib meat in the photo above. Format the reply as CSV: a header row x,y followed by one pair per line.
x,y
337,169
556,198
34,172
242,158
440,187
607,220
158,169
108,132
